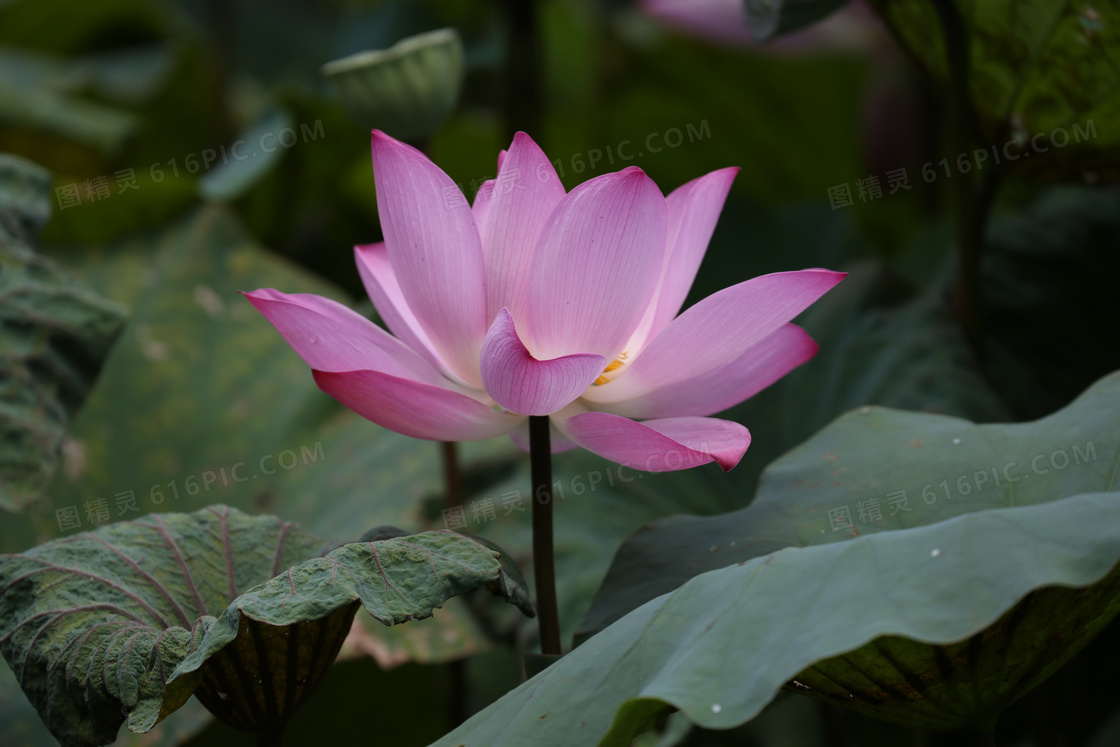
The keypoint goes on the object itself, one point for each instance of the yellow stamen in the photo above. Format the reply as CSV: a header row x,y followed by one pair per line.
x,y
614,365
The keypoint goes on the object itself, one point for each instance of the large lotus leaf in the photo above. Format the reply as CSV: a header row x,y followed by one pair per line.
x,y
128,596
1044,79
875,471
396,580
119,622
884,470
720,647
54,335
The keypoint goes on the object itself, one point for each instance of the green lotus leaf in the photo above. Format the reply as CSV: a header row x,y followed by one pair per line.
x,y
54,335
120,623
885,470
1044,80
720,647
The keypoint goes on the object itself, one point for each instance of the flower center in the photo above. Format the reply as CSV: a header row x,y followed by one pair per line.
x,y
612,369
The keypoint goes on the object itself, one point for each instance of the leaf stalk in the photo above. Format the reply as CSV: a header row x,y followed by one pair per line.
x,y
544,566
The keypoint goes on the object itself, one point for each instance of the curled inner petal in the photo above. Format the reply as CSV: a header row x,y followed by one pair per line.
x,y
523,384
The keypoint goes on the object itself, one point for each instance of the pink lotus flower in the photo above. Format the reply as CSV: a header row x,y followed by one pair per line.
x,y
539,302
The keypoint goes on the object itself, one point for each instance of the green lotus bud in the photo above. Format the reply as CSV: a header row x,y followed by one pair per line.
x,y
406,90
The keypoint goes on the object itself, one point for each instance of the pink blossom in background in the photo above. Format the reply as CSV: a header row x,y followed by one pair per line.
x,y
853,28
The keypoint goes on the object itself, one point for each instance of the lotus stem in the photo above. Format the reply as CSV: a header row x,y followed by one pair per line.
x,y
452,475
544,570
456,707
970,213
